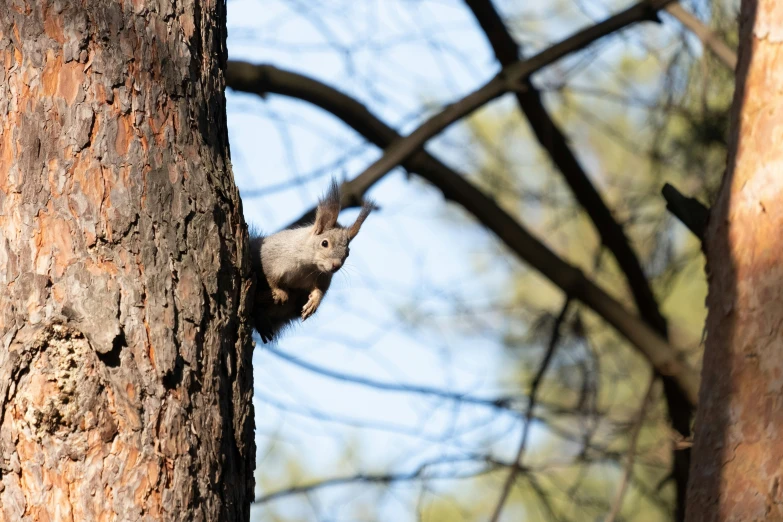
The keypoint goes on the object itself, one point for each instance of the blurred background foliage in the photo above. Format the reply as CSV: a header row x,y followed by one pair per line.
x,y
640,108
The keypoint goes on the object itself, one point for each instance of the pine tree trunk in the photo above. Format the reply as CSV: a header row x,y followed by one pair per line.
x,y
737,471
125,377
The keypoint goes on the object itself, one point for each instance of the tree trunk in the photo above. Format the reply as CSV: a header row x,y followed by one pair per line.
x,y
738,447
125,377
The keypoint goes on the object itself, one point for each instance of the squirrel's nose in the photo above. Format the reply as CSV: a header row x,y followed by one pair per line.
x,y
336,265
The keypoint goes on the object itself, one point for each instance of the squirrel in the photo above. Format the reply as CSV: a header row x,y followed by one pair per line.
x,y
294,267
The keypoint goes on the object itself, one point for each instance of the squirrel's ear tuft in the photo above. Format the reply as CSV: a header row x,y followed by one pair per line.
x,y
328,209
367,207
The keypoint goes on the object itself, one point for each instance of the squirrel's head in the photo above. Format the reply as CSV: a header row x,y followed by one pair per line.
x,y
329,239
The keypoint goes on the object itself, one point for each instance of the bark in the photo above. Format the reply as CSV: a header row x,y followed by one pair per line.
x,y
738,450
125,378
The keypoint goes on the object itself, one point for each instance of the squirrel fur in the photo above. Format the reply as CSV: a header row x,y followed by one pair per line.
x,y
294,267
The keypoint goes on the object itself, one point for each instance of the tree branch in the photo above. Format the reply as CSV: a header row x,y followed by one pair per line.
x,y
690,211
503,403
264,79
539,377
388,478
708,38
552,139
628,471
555,143
511,78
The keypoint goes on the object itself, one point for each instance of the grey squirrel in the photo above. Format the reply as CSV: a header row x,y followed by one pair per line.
x,y
294,267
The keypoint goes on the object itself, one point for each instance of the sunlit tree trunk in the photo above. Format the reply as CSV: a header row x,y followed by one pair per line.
x,y
125,379
737,471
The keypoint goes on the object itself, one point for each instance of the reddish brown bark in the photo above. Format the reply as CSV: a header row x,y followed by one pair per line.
x,y
125,379
737,471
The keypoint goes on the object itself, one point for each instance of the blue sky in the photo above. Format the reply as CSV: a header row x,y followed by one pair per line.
x,y
411,247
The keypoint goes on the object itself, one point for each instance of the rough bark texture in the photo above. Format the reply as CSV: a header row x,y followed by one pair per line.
x,y
738,448
125,378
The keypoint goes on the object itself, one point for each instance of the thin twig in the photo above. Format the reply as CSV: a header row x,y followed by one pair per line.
x,y
388,478
628,472
503,403
539,377
708,38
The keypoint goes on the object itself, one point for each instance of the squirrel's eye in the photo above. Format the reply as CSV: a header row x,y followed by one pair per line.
x,y
325,243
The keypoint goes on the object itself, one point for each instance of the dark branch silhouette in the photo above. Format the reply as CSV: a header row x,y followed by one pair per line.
x,y
554,141
647,332
264,79
690,211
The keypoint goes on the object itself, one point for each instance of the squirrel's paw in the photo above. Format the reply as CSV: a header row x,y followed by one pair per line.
x,y
279,295
312,304
309,309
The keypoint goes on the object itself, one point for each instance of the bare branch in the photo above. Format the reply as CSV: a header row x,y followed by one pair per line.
x,y
511,78
665,359
628,471
690,211
455,187
503,403
556,144
539,377
708,38
419,473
